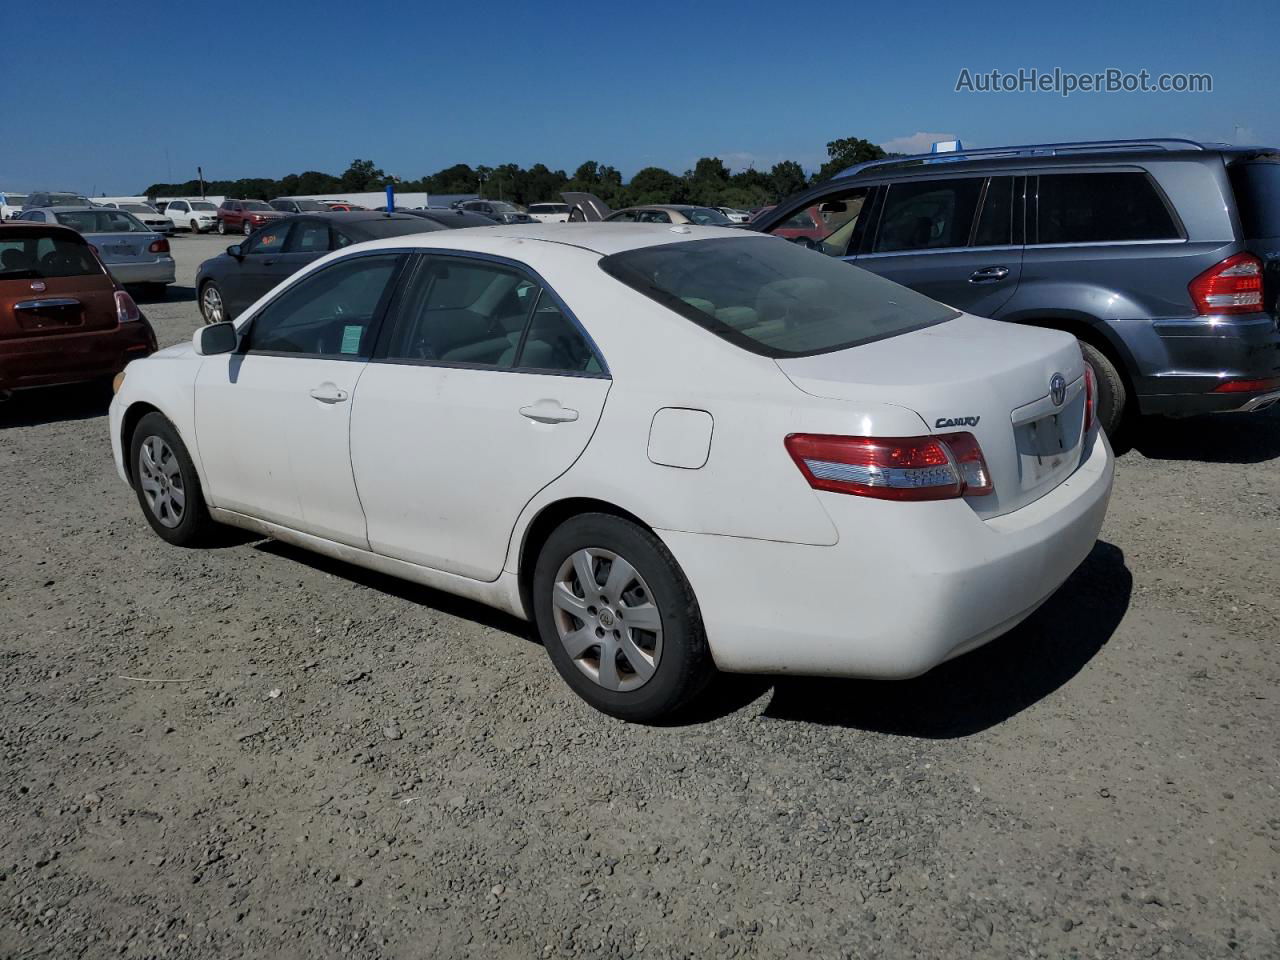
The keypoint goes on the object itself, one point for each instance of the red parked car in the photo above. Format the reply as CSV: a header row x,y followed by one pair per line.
x,y
245,216
62,318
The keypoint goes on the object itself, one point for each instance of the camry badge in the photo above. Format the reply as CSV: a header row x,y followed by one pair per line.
x,y
37,285
1058,389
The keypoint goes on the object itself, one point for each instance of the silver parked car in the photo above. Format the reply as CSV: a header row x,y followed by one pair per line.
x,y
133,254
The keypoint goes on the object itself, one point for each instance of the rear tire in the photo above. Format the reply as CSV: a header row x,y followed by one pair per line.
x,y
222,228
634,673
167,484
247,228
1113,397
195,228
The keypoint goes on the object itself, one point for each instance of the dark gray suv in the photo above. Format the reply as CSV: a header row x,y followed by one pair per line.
x,y
1161,256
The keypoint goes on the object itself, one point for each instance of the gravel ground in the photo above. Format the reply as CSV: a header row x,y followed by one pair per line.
x,y
351,765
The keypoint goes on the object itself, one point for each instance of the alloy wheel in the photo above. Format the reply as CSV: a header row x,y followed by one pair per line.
x,y
248,228
606,619
161,480
211,304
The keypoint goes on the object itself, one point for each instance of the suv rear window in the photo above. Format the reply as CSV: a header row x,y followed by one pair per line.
x,y
1102,208
39,258
772,297
1257,189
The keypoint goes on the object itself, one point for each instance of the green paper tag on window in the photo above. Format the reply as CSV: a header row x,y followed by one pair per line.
x,y
351,338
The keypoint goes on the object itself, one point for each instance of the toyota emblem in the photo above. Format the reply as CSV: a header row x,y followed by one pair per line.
x,y
1058,389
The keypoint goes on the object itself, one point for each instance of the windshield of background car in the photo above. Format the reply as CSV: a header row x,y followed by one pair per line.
x,y
1257,189
549,208
256,205
101,221
706,217
312,205
136,208
39,258
500,207
202,205
66,200
772,297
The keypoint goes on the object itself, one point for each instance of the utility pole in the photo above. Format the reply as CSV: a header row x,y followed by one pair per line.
x,y
200,175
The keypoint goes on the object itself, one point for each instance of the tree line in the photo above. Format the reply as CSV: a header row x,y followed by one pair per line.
x,y
710,182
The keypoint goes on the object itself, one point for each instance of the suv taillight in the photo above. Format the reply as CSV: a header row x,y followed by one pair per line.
x,y
1090,398
159,246
944,467
1232,286
126,310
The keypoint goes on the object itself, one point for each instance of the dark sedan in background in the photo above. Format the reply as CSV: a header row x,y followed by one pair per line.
x,y
230,282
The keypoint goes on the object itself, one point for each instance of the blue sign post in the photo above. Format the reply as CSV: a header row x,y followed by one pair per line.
x,y
391,199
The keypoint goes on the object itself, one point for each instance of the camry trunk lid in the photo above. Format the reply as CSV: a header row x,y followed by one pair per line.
x,y
993,380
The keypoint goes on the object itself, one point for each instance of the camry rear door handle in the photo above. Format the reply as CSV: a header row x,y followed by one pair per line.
x,y
328,393
549,411
988,274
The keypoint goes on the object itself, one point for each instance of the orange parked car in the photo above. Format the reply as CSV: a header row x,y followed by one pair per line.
x,y
63,319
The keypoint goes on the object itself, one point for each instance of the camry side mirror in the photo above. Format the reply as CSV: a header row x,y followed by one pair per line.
x,y
235,251
215,338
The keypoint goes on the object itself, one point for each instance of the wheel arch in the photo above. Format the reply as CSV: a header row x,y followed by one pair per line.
x,y
1092,332
545,522
128,423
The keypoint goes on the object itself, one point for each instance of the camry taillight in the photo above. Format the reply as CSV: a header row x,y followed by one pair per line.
x,y
126,310
1232,286
159,246
944,467
1090,397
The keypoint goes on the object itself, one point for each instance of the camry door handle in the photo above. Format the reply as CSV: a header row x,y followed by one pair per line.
x,y
328,393
549,411
988,274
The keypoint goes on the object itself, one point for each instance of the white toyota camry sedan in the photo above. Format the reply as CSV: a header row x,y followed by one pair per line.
x,y
674,449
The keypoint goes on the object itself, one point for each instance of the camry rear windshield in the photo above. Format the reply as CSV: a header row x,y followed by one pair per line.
x,y
1257,189
774,297
40,258
101,221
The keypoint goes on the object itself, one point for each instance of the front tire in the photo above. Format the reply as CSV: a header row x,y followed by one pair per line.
x,y
1113,398
212,307
248,228
195,228
619,620
167,484
222,228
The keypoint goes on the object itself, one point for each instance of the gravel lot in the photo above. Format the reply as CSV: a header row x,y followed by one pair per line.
x,y
351,765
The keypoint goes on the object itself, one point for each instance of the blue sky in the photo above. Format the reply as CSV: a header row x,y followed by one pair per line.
x,y
111,97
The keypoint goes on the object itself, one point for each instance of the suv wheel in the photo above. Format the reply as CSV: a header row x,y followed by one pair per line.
x,y
222,227
619,619
1113,398
248,228
195,228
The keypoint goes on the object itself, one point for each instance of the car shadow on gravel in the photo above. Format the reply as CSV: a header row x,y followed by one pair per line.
x,y
78,401
1226,438
172,293
973,692
404,589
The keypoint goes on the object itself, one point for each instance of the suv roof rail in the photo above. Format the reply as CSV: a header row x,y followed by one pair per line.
x,y
1026,150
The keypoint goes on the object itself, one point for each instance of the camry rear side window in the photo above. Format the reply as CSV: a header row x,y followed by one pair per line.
x,y
772,297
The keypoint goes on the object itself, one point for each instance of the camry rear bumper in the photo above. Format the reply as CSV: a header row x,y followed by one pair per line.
x,y
908,586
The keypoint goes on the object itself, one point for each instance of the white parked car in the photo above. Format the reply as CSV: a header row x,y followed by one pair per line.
x,y
549,212
11,204
152,218
197,216
673,448
736,216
